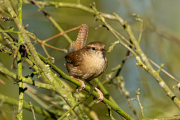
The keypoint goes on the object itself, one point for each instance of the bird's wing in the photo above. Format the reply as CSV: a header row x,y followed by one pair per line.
x,y
74,58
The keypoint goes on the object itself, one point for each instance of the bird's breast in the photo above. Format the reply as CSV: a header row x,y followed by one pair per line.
x,y
93,66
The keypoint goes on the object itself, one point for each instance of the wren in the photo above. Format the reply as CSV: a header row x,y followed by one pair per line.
x,y
87,62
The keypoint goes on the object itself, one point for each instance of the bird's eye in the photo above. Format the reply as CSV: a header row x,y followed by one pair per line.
x,y
93,48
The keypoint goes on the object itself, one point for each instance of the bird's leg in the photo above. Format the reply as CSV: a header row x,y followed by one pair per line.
x,y
82,84
99,92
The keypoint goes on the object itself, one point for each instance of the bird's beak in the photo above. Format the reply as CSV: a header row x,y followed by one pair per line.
x,y
102,50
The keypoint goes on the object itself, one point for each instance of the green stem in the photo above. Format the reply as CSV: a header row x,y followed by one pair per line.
x,y
31,107
149,68
105,92
146,65
38,110
21,89
65,114
57,84
70,5
26,80
87,88
39,101
19,61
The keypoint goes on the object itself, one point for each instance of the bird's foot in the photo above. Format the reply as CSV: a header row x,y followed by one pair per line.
x,y
101,96
82,84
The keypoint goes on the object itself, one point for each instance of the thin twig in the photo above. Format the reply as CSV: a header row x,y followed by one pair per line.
x,y
65,114
63,50
3,114
131,45
62,33
87,88
48,73
140,19
38,110
38,100
31,107
52,20
110,113
138,99
163,70
121,87
146,65
45,50
71,5
2,82
110,76
43,44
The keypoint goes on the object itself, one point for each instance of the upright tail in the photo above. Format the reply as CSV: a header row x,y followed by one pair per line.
x,y
81,39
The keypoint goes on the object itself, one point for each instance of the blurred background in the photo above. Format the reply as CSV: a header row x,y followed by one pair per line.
x,y
160,42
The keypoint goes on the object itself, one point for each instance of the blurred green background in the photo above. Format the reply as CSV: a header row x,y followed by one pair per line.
x,y
160,42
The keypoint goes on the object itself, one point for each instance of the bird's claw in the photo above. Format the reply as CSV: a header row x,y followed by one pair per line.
x,y
82,86
101,96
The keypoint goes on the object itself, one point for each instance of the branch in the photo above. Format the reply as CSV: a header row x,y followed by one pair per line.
x,y
60,88
121,87
38,110
139,54
52,20
87,88
19,62
70,5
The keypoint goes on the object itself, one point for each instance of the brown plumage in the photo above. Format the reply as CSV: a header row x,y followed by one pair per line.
x,y
86,62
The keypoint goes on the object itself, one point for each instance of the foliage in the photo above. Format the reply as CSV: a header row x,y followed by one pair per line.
x,y
30,71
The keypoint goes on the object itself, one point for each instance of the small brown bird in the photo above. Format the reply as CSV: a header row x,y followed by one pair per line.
x,y
87,62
